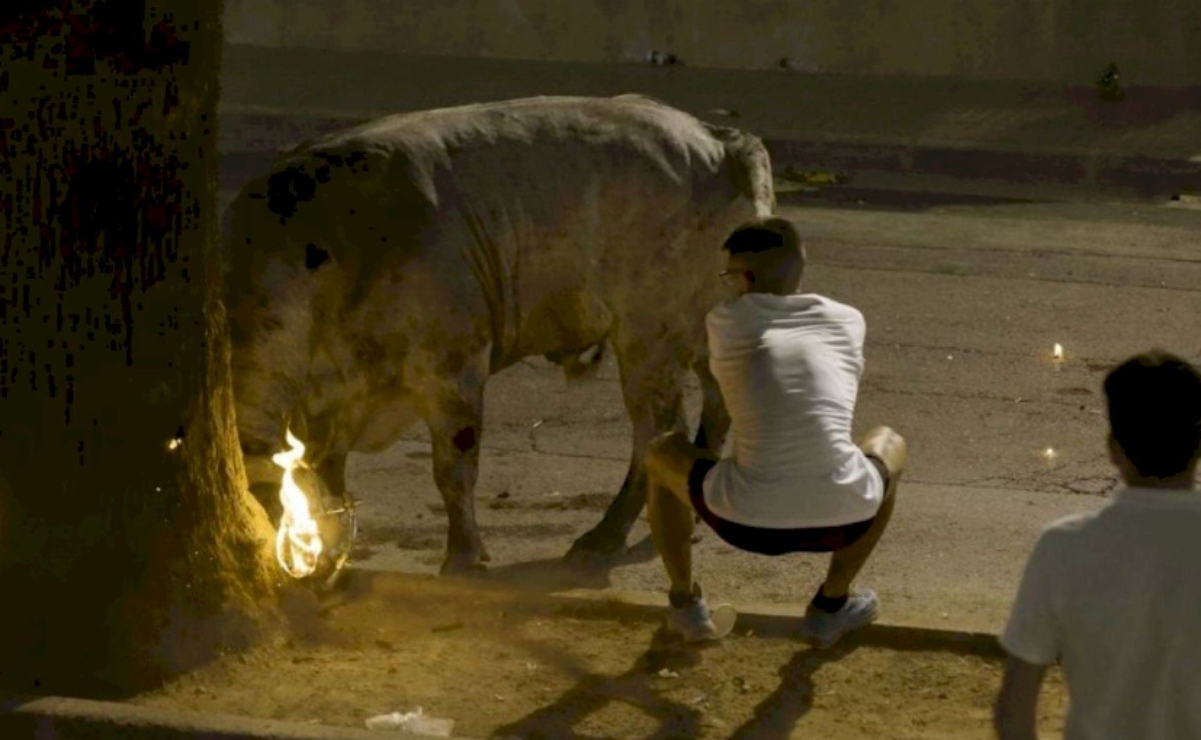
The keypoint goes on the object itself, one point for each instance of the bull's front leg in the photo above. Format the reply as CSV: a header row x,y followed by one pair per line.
x,y
654,399
456,467
454,414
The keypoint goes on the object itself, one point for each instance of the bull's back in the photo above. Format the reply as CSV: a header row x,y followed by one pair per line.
x,y
522,169
545,154
519,209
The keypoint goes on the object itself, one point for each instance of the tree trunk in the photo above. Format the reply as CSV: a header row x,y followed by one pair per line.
x,y
130,547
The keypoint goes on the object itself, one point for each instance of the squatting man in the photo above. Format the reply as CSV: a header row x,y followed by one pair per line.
x,y
788,364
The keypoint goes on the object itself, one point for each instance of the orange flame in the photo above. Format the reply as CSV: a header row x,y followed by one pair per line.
x,y
297,544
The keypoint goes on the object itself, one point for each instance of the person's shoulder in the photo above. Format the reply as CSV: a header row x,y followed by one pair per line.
x,y
730,318
1071,523
837,308
1064,545
1066,531
844,315
723,311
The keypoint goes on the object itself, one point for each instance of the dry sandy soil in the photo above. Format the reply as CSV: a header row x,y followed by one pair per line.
x,y
503,663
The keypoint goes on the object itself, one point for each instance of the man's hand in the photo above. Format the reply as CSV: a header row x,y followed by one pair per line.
x,y
1015,715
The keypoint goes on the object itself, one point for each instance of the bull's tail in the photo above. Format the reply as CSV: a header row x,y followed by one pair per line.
x,y
748,165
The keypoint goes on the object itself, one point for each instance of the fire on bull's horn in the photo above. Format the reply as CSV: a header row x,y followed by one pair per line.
x,y
313,538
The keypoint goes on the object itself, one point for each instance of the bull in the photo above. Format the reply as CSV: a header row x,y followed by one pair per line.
x,y
377,276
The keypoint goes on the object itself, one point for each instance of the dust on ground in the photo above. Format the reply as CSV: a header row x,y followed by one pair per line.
x,y
503,662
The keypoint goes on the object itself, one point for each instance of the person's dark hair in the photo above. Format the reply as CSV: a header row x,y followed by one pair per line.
x,y
1155,412
764,234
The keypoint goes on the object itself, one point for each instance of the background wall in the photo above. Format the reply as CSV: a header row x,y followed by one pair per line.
x,y
1155,42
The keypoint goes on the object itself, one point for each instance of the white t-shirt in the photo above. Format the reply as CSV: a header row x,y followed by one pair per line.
x,y
789,369
1116,596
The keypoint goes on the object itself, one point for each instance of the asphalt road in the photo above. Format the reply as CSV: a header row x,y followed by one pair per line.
x,y
965,296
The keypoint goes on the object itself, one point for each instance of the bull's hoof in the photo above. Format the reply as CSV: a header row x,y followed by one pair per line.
x,y
594,550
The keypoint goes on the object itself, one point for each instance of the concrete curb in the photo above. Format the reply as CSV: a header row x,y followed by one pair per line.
x,y
782,622
62,718
1148,173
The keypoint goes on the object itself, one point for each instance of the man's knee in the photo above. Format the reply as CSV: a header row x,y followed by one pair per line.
x,y
664,442
669,460
668,447
890,447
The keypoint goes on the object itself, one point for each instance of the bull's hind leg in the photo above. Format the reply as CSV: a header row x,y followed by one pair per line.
x,y
715,419
453,408
714,422
651,386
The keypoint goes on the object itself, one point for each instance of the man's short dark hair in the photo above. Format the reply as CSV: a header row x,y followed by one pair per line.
x,y
764,234
1155,412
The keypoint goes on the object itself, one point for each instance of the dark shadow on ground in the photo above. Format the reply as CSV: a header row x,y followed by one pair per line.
x,y
778,714
556,574
775,717
635,687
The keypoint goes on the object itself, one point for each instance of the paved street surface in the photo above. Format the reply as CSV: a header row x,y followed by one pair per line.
x,y
964,298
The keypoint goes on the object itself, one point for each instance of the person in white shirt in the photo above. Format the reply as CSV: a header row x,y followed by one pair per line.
x,y
1114,595
788,365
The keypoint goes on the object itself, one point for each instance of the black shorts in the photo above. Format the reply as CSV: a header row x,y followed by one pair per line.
x,y
764,541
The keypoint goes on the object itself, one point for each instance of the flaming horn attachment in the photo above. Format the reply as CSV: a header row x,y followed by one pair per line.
x,y
298,544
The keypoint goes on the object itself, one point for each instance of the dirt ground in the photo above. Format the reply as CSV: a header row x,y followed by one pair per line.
x,y
507,663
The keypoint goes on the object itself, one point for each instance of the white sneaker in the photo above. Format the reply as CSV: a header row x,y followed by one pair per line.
x,y
824,629
698,623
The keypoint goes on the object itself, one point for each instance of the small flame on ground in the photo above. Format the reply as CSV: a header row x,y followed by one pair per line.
x,y
298,543
174,444
1050,453
1058,352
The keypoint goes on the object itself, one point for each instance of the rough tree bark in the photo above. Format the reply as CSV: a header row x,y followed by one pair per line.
x,y
124,556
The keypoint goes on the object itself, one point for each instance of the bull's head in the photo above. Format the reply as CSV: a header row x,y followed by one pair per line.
x,y
315,530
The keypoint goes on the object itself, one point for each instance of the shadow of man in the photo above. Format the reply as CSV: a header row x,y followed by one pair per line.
x,y
556,574
634,687
778,714
775,717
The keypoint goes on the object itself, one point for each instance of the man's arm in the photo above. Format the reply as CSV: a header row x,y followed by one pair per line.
x,y
1032,639
1015,715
